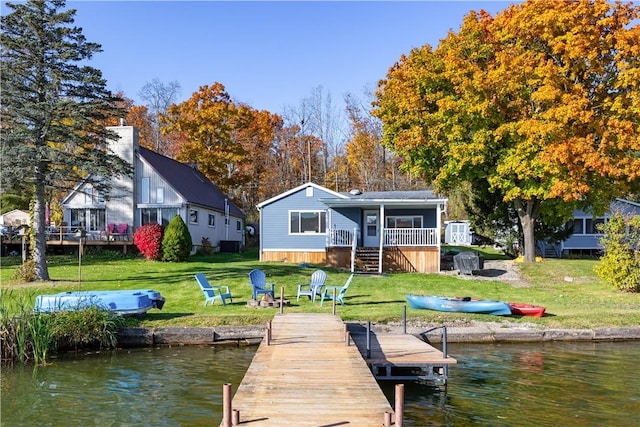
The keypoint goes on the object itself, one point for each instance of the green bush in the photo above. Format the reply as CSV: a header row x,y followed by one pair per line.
x,y
91,327
176,243
620,264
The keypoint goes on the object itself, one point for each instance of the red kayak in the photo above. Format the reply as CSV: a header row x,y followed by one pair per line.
x,y
526,309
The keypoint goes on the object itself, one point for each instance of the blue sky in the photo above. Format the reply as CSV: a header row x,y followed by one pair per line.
x,y
270,55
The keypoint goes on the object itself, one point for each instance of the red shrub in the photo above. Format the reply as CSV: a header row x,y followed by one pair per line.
x,y
148,239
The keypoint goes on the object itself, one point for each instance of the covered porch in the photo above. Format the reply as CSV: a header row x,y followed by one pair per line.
x,y
410,250
385,235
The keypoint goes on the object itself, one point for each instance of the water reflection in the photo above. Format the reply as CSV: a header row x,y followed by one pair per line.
x,y
543,384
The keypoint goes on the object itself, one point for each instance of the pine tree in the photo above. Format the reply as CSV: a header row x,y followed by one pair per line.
x,y
176,242
53,107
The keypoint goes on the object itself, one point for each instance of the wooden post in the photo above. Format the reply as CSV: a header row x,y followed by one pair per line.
x,y
399,404
235,419
226,405
281,299
268,332
404,318
387,419
334,302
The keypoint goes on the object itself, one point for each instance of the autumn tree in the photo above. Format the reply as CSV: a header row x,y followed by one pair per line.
x,y
213,125
365,155
538,105
258,138
53,107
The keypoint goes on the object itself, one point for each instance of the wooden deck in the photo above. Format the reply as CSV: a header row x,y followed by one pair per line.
x,y
403,357
308,376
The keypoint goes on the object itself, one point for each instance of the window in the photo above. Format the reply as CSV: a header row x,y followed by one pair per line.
x,y
93,197
238,226
193,216
160,195
167,215
144,190
577,225
88,219
160,216
212,220
96,219
149,216
307,222
404,222
592,225
78,218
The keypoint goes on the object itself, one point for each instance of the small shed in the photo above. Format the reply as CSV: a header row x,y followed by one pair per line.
x,y
457,233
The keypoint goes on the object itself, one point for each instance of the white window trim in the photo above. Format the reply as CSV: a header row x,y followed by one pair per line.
x,y
303,233
144,190
159,195
211,215
406,217
197,215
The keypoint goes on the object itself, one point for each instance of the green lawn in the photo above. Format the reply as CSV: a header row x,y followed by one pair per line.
x,y
569,289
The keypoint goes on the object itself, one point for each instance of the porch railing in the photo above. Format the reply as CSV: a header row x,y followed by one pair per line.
x,y
340,238
391,237
410,236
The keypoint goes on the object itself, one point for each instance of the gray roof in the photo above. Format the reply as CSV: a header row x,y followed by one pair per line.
x,y
394,195
190,183
373,199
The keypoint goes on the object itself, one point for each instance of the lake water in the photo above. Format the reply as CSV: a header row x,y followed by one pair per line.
x,y
542,384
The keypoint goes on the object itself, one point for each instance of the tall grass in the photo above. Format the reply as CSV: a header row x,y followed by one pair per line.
x,y
27,336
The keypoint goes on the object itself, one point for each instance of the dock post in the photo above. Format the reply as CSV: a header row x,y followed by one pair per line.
x,y
444,342
226,405
268,332
235,419
333,310
368,339
404,318
281,299
387,419
399,405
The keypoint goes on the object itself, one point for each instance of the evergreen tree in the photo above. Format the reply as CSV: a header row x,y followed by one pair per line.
x,y
177,242
53,107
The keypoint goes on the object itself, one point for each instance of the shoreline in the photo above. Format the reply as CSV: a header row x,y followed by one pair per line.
x,y
477,332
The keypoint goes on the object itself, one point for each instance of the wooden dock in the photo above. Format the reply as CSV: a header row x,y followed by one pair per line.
x,y
403,357
308,376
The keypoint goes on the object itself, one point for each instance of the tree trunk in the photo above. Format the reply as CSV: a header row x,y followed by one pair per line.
x,y
528,213
39,245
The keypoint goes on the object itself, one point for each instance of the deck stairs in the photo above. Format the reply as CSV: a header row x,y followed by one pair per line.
x,y
367,260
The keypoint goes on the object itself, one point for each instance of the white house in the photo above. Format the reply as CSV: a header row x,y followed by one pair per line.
x,y
159,189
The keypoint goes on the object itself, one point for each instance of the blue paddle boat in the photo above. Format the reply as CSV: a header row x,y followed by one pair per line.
x,y
463,305
123,303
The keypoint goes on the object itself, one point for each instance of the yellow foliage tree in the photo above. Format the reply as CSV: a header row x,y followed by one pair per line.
x,y
538,104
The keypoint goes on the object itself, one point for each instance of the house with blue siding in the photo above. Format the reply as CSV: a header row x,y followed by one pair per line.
x,y
360,231
160,189
585,237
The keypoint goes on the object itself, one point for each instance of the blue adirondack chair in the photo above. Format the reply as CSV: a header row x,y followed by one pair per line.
x,y
258,281
328,293
213,293
314,288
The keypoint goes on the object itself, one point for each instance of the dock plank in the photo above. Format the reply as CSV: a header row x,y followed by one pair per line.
x,y
400,349
309,377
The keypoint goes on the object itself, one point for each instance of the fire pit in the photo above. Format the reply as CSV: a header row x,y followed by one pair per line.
x,y
266,303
